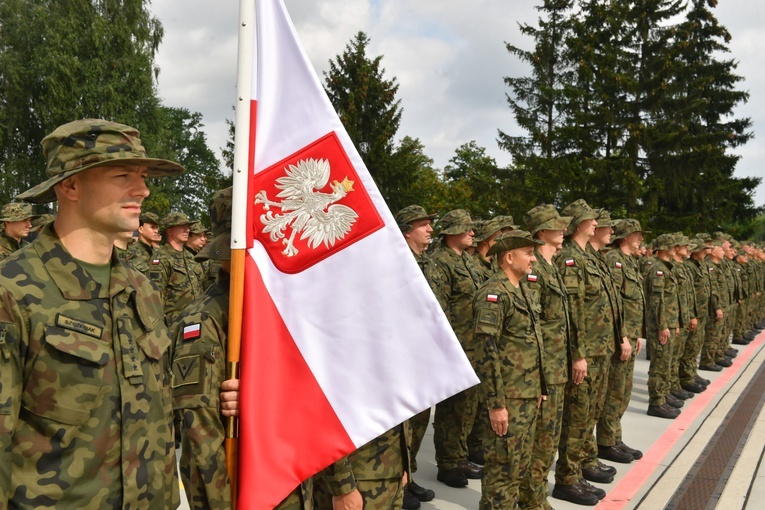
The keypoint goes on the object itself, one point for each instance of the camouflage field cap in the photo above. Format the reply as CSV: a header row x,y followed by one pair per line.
x,y
722,236
90,143
579,211
409,214
604,219
220,218
455,222
625,227
513,240
664,242
704,237
506,222
698,245
174,219
485,229
545,217
40,220
16,211
149,217
196,228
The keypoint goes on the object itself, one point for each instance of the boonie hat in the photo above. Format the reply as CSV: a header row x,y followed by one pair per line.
x,y
545,217
455,222
485,229
174,219
409,214
149,217
513,240
579,211
220,219
625,227
16,211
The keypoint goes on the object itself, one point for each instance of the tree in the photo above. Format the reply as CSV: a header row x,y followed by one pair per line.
x,y
370,112
61,61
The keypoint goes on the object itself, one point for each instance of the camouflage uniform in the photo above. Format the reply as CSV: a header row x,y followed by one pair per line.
x,y
699,274
78,355
454,284
509,353
141,256
13,212
687,305
717,301
548,295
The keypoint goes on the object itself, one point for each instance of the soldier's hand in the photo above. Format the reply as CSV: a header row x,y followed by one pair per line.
x,y
498,419
578,371
626,347
664,336
694,324
541,399
229,397
404,480
718,314
350,501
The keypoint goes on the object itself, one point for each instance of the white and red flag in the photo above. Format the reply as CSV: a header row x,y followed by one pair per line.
x,y
342,338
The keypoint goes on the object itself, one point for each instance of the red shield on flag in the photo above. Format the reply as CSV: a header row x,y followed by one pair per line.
x,y
310,205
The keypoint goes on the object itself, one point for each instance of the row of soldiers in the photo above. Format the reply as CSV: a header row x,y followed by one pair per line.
x,y
552,319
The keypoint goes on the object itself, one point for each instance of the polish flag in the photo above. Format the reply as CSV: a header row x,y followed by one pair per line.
x,y
342,338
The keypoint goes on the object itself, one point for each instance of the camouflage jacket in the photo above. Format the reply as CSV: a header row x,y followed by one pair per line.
x,y
86,399
725,283
734,280
592,330
483,265
8,245
199,368
613,293
751,276
178,278
743,277
629,280
646,264
548,294
685,294
454,285
140,255
699,273
716,299
509,348
662,305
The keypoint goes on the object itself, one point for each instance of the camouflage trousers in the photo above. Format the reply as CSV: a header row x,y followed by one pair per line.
x,y
452,423
659,370
689,361
677,354
534,488
740,321
709,349
418,424
478,430
582,406
618,394
508,456
385,494
299,499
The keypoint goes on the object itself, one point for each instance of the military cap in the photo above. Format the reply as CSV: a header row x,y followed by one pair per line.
x,y
484,229
505,221
604,219
40,220
455,222
149,217
664,242
741,253
174,219
681,239
513,240
735,244
196,228
409,214
625,227
90,143
16,211
697,245
704,237
722,236
579,211
220,218
545,217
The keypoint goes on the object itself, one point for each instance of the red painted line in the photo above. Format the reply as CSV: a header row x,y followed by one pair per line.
x,y
642,470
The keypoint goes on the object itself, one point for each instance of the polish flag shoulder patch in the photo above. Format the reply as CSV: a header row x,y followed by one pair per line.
x,y
155,262
492,298
192,332
570,262
711,269
532,278
659,273
618,265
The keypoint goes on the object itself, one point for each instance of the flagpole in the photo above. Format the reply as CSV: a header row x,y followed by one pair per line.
x,y
246,34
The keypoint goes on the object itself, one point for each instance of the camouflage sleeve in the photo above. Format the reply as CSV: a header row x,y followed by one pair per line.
x,y
658,307
574,284
10,389
488,313
438,278
339,478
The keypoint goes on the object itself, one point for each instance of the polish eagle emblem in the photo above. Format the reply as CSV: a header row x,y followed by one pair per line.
x,y
305,210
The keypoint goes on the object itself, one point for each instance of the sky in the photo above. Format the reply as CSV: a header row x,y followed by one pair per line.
x,y
448,57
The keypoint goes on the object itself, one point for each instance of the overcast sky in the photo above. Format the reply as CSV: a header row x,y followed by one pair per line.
x,y
448,56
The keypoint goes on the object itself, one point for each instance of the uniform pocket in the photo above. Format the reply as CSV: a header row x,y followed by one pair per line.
x,y
8,341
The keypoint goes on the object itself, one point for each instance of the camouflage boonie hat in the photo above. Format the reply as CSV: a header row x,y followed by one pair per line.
x,y
664,242
90,143
604,219
698,245
704,237
506,222
174,219
149,217
220,219
196,228
409,214
484,229
545,217
722,236
40,220
625,227
681,239
513,240
455,222
16,211
579,211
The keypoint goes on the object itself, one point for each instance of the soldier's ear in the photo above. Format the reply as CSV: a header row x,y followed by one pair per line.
x,y
67,189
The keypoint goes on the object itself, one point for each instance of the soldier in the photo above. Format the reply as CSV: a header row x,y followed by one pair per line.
x,y
548,294
16,218
717,302
38,222
686,298
141,254
592,343
197,238
82,341
662,328
484,238
623,264
740,324
174,271
509,352
455,281
415,225
699,274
